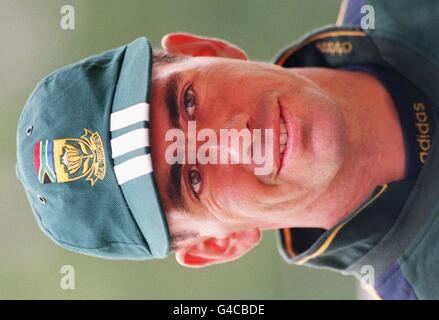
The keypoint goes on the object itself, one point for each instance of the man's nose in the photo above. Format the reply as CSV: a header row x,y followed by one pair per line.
x,y
234,140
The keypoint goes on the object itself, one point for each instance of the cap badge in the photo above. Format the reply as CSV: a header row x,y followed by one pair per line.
x,y
71,159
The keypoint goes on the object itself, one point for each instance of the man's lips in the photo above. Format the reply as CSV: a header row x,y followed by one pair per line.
x,y
283,136
286,137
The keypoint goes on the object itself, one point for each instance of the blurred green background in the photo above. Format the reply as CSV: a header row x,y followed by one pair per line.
x,y
33,44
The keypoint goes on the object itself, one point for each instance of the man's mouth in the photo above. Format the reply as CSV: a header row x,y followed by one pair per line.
x,y
283,136
286,133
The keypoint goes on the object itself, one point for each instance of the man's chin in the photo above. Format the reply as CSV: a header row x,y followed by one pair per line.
x,y
313,171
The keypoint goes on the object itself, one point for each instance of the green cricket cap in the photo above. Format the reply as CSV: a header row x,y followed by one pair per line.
x,y
84,158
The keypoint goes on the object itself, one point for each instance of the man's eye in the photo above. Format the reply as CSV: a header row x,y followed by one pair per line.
x,y
190,101
195,179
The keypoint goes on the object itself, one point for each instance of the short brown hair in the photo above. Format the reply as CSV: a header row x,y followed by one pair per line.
x,y
160,56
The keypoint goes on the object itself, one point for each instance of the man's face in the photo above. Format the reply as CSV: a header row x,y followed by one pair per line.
x,y
220,93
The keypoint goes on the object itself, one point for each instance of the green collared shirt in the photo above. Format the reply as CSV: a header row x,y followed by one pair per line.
x,y
395,231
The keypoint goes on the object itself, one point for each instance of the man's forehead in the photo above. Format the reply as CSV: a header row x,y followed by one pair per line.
x,y
163,71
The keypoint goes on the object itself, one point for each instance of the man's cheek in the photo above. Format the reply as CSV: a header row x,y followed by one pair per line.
x,y
237,188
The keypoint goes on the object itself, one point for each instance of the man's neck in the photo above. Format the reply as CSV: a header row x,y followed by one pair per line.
x,y
374,143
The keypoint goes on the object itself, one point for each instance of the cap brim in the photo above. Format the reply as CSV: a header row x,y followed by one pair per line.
x,y
141,193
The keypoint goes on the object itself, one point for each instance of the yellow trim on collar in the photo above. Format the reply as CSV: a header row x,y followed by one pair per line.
x,y
288,242
342,12
331,237
372,292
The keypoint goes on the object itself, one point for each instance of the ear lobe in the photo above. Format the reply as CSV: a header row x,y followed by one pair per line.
x,y
184,44
211,250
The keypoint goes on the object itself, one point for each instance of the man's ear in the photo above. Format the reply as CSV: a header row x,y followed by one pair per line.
x,y
210,250
185,44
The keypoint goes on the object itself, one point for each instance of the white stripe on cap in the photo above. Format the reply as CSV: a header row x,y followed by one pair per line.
x,y
129,141
133,168
136,166
124,118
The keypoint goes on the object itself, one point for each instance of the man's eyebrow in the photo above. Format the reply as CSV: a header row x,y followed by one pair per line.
x,y
171,99
174,187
